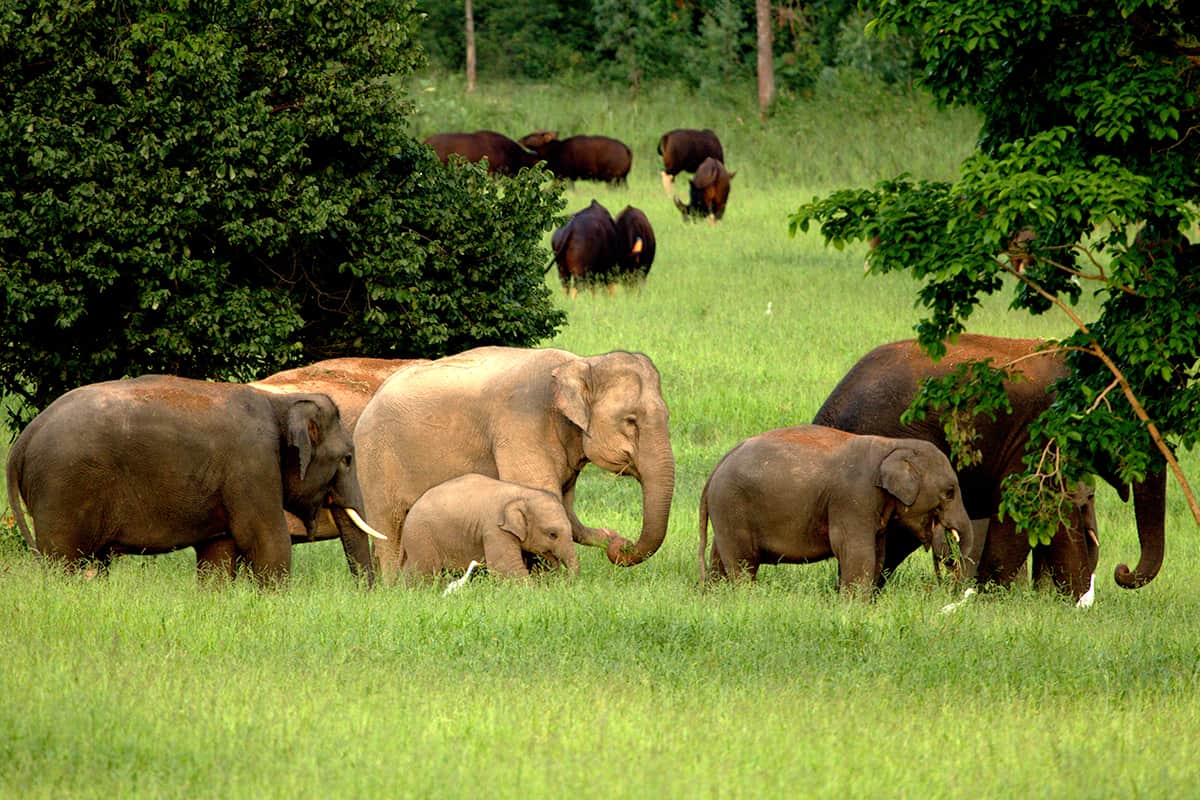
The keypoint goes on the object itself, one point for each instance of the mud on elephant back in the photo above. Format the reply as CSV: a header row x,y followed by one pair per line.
x,y
158,463
530,416
879,388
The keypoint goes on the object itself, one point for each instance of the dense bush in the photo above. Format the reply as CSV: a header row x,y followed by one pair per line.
x,y
222,189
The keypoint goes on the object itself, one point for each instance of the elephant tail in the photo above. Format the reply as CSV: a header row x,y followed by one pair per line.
x,y
16,459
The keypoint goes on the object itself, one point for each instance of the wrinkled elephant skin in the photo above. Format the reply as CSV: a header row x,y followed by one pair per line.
x,y
808,493
529,416
158,463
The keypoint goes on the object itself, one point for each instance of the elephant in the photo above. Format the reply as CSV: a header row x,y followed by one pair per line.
x,y
504,156
806,493
588,158
585,249
684,150
635,243
350,382
496,523
882,384
157,463
526,415
709,192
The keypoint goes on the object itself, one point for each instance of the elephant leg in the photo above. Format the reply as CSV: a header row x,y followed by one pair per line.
x,y
735,554
1004,553
897,545
1064,563
217,558
858,557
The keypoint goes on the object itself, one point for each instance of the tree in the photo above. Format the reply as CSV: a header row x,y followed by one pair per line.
x,y
223,189
470,31
766,61
1086,177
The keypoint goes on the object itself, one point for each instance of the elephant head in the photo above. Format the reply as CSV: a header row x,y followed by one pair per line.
x,y
539,522
927,502
615,402
318,468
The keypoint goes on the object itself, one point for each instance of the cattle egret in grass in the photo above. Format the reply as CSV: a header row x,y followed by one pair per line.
x,y
455,585
967,595
1089,596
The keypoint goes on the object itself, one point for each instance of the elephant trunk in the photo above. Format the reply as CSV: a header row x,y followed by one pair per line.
x,y
354,543
1150,509
657,471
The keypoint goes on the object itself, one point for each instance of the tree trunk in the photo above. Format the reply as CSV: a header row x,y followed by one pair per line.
x,y
766,61
470,12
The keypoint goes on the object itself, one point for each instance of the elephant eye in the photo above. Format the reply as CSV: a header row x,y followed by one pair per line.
x,y
631,421
347,460
949,493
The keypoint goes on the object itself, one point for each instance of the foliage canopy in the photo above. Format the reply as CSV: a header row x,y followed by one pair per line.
x,y
222,189
1086,177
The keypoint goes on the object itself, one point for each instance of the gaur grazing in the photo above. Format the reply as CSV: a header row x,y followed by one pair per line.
x,y
684,150
709,192
504,156
585,249
587,158
635,244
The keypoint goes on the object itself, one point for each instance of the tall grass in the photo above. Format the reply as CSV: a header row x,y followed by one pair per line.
x,y
633,682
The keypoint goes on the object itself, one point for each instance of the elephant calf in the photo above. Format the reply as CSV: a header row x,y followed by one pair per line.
x,y
477,518
802,494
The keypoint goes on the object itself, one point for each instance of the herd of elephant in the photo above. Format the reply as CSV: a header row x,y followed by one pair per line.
x,y
593,248
475,457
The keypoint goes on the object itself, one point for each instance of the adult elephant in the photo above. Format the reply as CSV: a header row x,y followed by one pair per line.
x,y
158,463
881,386
350,382
529,416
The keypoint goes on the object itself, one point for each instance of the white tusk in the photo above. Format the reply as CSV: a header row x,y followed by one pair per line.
x,y
967,595
1092,535
457,584
1089,596
362,524
954,535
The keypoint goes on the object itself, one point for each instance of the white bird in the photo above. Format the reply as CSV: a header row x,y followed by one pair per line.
x,y
1089,596
967,595
457,584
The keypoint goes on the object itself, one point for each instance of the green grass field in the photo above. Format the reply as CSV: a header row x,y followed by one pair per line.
x,y
633,682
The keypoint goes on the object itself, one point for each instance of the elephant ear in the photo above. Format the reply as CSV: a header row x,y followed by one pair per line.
x,y
512,518
573,391
898,477
303,433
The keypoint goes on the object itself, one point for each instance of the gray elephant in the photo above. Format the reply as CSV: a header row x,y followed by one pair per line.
x,y
159,463
877,390
350,382
497,523
531,416
808,493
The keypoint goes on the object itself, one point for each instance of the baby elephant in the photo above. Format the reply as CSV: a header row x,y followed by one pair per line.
x,y
477,518
802,494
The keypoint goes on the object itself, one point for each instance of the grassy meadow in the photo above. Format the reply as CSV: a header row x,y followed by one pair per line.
x,y
633,682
